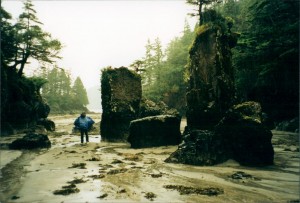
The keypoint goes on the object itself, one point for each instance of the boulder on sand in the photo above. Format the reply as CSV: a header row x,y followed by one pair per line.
x,y
31,141
201,148
155,131
240,135
245,135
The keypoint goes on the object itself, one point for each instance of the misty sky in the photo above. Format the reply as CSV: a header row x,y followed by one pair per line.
x,y
96,34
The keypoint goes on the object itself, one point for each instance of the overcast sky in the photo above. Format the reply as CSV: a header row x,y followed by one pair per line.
x,y
97,34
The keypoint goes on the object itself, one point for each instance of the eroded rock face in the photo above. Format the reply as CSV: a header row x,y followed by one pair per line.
x,y
211,85
47,123
121,93
31,141
247,138
155,131
240,135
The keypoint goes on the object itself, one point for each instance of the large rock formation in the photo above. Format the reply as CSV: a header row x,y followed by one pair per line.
x,y
240,135
21,103
31,141
121,93
155,131
211,85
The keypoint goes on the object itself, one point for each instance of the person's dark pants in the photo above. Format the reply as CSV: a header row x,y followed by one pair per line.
x,y
82,132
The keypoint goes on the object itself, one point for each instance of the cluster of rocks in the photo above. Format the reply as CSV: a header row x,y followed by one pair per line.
x,y
142,122
218,130
240,135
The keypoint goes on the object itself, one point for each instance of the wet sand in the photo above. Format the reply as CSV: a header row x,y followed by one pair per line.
x,y
113,172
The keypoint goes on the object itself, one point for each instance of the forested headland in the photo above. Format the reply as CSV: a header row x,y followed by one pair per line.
x,y
25,100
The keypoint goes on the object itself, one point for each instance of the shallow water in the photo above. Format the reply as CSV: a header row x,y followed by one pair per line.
x,y
13,171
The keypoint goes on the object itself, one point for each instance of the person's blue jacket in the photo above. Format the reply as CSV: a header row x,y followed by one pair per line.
x,y
83,123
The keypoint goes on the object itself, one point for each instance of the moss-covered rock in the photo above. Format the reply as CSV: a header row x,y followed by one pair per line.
x,y
150,108
243,132
121,93
211,89
155,131
199,147
240,135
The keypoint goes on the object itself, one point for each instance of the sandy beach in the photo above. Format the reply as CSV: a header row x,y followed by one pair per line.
x,y
113,172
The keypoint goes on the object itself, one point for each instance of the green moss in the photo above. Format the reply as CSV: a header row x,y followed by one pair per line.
x,y
202,29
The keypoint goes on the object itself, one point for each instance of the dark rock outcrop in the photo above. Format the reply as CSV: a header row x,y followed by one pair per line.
x,y
31,141
47,123
21,102
240,135
199,147
6,129
211,90
121,93
245,136
155,131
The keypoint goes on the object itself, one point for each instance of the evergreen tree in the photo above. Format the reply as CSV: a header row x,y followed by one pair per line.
x,y
166,70
31,41
151,64
59,94
147,75
79,94
201,4
8,45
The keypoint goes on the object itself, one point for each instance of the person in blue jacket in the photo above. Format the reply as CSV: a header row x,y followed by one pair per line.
x,y
84,123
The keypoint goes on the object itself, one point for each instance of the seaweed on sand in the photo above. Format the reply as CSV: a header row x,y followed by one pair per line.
x,y
67,190
78,165
183,190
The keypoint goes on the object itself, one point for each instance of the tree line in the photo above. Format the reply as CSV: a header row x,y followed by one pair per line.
x,y
63,95
163,71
